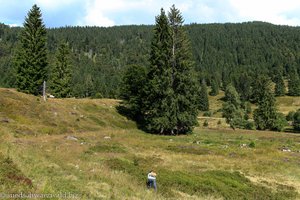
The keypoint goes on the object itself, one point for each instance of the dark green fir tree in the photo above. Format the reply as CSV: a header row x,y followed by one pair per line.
x,y
294,83
184,83
171,103
61,75
277,78
260,87
160,103
279,85
203,97
132,90
232,107
266,115
243,86
296,120
31,55
214,88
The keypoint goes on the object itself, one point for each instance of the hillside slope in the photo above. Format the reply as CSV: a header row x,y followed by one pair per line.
x,y
84,148
221,51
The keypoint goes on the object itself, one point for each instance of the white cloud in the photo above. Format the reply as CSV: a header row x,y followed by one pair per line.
x,y
273,11
98,12
14,25
54,4
119,12
96,18
107,13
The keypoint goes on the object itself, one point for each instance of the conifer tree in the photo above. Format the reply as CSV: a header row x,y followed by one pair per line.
x,y
184,83
266,116
31,56
260,87
214,88
132,90
159,103
279,85
232,107
171,103
243,86
296,120
278,80
61,75
203,98
294,83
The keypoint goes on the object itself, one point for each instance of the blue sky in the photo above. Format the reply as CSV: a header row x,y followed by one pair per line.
x,y
58,13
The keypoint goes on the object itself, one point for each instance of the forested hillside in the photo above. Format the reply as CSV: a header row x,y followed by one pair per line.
x,y
223,53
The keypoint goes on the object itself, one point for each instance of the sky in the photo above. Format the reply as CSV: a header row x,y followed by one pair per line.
x,y
105,13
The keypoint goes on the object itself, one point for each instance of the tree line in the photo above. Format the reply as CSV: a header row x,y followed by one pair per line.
x,y
223,53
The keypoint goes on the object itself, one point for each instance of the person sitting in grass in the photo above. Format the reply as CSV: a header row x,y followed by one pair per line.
x,y
151,182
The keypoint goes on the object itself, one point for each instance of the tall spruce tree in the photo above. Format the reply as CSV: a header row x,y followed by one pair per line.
x,y
243,86
184,83
171,103
159,99
232,107
203,97
277,78
31,57
214,87
61,75
266,116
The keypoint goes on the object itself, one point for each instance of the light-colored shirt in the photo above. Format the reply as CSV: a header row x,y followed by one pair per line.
x,y
151,176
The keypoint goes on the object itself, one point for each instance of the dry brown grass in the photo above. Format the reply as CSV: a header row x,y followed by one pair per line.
x,y
55,163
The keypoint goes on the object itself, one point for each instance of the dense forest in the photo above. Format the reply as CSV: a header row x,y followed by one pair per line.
x,y
223,54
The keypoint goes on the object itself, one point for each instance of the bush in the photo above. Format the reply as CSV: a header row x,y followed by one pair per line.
x,y
296,121
98,95
252,144
249,125
279,123
290,116
205,123
207,114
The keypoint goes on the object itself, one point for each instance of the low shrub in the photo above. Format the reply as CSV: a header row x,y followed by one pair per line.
x,y
252,144
205,123
207,114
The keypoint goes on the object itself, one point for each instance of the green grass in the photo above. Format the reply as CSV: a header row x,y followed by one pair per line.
x,y
111,158
106,148
11,178
228,185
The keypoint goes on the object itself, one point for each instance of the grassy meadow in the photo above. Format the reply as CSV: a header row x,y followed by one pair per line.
x,y
84,147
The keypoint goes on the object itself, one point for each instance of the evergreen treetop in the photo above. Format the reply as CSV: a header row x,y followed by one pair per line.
x,y
31,57
203,97
171,87
61,76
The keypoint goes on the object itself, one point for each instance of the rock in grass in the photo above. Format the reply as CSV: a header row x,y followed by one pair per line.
x,y
107,137
285,149
69,137
5,120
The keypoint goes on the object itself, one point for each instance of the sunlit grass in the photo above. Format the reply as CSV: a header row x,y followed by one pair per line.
x,y
107,157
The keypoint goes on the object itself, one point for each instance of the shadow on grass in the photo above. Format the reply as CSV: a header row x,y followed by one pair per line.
x,y
126,112
290,130
142,124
